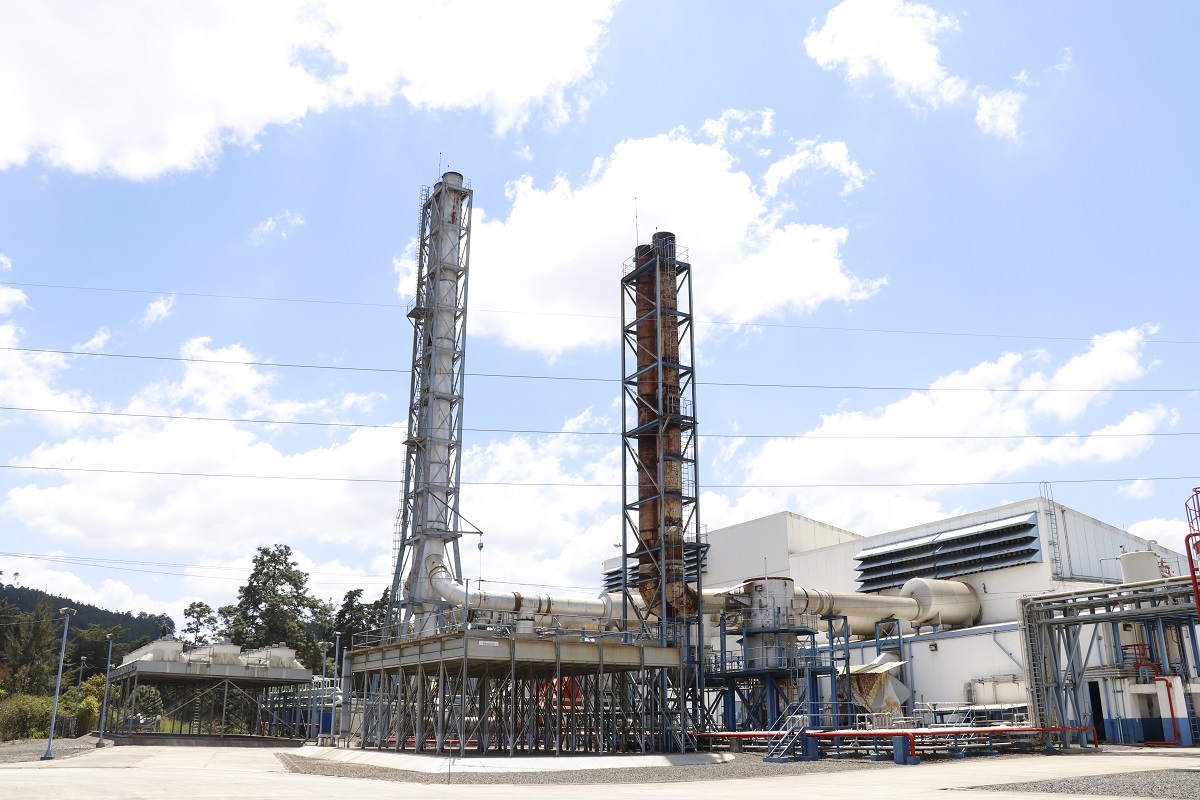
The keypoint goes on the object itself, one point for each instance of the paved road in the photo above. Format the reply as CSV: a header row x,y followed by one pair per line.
x,y
150,773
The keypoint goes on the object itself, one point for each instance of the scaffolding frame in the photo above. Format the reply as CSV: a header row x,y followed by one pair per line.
x,y
490,690
1057,628
443,253
682,711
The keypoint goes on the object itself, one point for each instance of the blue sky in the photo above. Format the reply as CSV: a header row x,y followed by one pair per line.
x,y
979,214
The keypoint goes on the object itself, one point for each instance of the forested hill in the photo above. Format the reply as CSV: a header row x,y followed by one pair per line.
x,y
139,625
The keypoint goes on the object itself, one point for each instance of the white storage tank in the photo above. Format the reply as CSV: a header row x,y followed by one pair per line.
x,y
1139,566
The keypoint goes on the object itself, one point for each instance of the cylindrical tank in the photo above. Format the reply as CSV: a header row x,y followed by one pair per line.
x,y
771,602
1139,566
939,602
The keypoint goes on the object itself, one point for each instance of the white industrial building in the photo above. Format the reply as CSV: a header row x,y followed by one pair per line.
x,y
1029,549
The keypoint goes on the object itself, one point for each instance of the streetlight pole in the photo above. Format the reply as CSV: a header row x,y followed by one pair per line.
x,y
334,723
78,691
104,702
67,613
324,694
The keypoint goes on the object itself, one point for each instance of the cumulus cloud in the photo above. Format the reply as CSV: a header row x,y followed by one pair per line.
x,y
96,343
830,156
217,516
1137,490
158,310
582,231
999,113
11,299
559,538
891,37
1169,533
144,88
735,125
898,40
1006,397
280,222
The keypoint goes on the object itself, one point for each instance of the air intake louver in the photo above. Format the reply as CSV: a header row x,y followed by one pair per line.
x,y
978,548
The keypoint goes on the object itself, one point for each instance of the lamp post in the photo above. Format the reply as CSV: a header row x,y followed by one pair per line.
x,y
324,694
104,702
67,613
78,691
335,722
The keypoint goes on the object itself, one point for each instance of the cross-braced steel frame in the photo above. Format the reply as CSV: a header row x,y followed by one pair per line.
x,y
660,476
1060,632
453,694
429,506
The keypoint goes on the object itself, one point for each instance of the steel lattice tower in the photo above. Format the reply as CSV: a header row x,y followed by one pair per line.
x,y
428,520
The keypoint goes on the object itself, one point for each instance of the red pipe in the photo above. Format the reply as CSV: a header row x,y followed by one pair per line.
x,y
1171,705
1191,543
911,735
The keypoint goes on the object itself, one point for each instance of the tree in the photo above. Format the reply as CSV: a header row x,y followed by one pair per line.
x,y
92,643
274,606
356,617
30,651
201,621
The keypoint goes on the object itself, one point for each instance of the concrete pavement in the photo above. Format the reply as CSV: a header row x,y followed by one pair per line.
x,y
150,773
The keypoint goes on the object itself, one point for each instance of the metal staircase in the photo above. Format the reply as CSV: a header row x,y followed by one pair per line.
x,y
784,748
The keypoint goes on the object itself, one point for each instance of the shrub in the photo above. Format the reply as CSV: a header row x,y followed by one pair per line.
x,y
89,715
24,716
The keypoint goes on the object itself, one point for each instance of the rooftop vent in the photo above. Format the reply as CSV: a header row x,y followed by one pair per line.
x,y
978,548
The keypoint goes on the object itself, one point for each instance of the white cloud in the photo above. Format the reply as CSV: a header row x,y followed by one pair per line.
x,y
559,538
689,187
1066,62
833,156
999,113
833,453
217,517
158,310
96,343
281,222
1137,490
28,379
894,38
11,299
735,125
140,89
1169,533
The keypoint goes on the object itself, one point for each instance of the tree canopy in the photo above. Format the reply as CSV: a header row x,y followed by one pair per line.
x,y
275,606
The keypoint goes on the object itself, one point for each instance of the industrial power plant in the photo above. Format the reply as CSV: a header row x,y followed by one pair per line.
x,y
1025,626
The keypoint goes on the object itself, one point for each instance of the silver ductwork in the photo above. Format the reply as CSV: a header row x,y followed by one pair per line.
x,y
922,601
525,606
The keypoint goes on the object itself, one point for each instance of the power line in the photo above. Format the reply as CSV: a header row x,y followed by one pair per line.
x,y
135,565
712,322
611,434
594,379
593,485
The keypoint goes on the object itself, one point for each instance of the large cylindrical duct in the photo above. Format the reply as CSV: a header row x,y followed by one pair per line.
x,y
660,446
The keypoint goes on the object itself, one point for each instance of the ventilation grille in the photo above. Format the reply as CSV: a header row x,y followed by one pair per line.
x,y
691,557
978,548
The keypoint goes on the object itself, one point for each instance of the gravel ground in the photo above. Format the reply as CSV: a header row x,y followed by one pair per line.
x,y
33,749
748,766
1165,783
